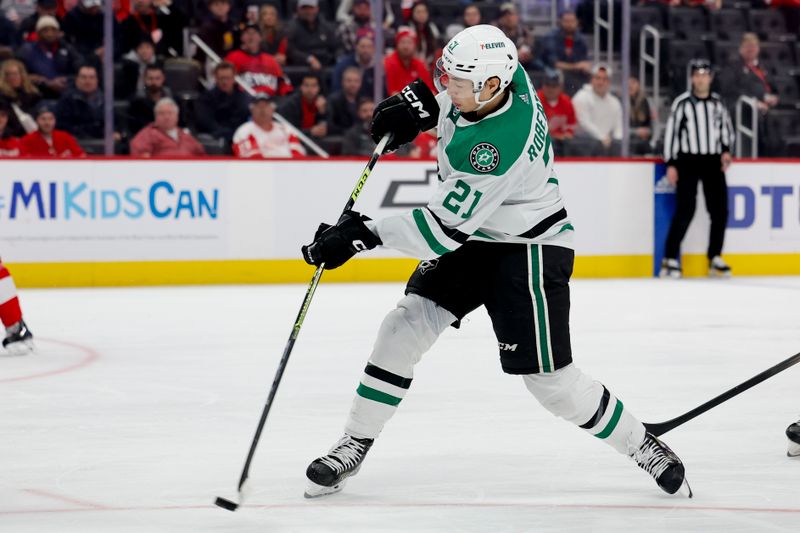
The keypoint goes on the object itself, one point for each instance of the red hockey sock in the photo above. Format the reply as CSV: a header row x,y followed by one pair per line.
x,y
10,312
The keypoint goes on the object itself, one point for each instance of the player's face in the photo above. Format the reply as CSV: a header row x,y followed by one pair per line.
x,y
461,93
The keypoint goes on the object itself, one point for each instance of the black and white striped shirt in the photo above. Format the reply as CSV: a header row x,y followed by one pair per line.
x,y
697,126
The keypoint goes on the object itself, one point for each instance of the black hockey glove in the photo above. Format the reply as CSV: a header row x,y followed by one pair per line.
x,y
404,115
335,245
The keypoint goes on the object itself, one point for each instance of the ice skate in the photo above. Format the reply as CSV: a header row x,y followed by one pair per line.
x,y
793,432
718,268
655,458
19,339
670,268
329,473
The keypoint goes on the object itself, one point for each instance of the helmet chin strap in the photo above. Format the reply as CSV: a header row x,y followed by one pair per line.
x,y
482,103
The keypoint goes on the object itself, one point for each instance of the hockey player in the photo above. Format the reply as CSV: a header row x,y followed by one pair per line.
x,y
793,432
495,233
18,339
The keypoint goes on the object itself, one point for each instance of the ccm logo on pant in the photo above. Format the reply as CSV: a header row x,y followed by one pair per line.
x,y
507,347
409,95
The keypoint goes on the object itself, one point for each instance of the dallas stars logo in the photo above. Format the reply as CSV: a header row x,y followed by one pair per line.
x,y
484,157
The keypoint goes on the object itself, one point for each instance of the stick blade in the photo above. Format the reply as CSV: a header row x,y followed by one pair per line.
x,y
226,504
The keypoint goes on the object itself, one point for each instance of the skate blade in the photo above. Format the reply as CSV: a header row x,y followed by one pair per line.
x,y
21,348
719,275
686,489
315,491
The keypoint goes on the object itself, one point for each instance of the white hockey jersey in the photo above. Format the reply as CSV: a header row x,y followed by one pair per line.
x,y
250,140
496,182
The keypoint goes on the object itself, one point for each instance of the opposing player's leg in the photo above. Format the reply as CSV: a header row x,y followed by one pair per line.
x,y
534,341
406,333
793,433
18,338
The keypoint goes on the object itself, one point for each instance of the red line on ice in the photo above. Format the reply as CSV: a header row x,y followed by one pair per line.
x,y
90,357
422,505
67,499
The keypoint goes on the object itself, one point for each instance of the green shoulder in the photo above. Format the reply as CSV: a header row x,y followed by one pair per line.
x,y
494,144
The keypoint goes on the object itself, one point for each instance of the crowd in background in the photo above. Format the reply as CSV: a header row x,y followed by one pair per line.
x,y
313,63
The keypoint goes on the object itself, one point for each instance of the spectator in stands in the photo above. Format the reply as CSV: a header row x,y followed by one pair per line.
x,y
566,49
27,26
80,109
312,39
50,60
17,87
17,10
428,35
469,18
357,140
83,28
599,112
157,19
141,110
218,31
344,13
262,137
509,22
641,119
401,66
306,109
274,40
748,77
222,109
9,35
163,137
364,58
131,80
257,68
360,20
342,105
47,141
9,143
559,112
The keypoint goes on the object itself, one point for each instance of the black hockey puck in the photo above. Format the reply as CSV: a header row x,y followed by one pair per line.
x,y
226,504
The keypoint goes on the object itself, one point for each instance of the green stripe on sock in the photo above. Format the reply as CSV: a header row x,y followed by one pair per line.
x,y
425,229
566,227
375,395
553,181
612,424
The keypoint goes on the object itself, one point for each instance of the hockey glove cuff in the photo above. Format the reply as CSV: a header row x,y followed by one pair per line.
x,y
404,115
335,245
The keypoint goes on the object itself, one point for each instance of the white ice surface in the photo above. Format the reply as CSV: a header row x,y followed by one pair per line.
x,y
139,407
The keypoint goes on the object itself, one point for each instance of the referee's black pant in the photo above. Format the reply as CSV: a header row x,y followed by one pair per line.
x,y
708,170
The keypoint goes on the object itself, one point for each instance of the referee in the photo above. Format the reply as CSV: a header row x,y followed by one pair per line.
x,y
697,145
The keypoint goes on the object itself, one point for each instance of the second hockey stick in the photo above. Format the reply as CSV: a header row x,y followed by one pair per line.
x,y
662,427
298,323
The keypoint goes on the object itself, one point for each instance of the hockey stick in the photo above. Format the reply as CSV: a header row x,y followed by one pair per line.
x,y
298,323
662,427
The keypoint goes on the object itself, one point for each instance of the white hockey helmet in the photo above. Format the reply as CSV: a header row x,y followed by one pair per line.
x,y
477,54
